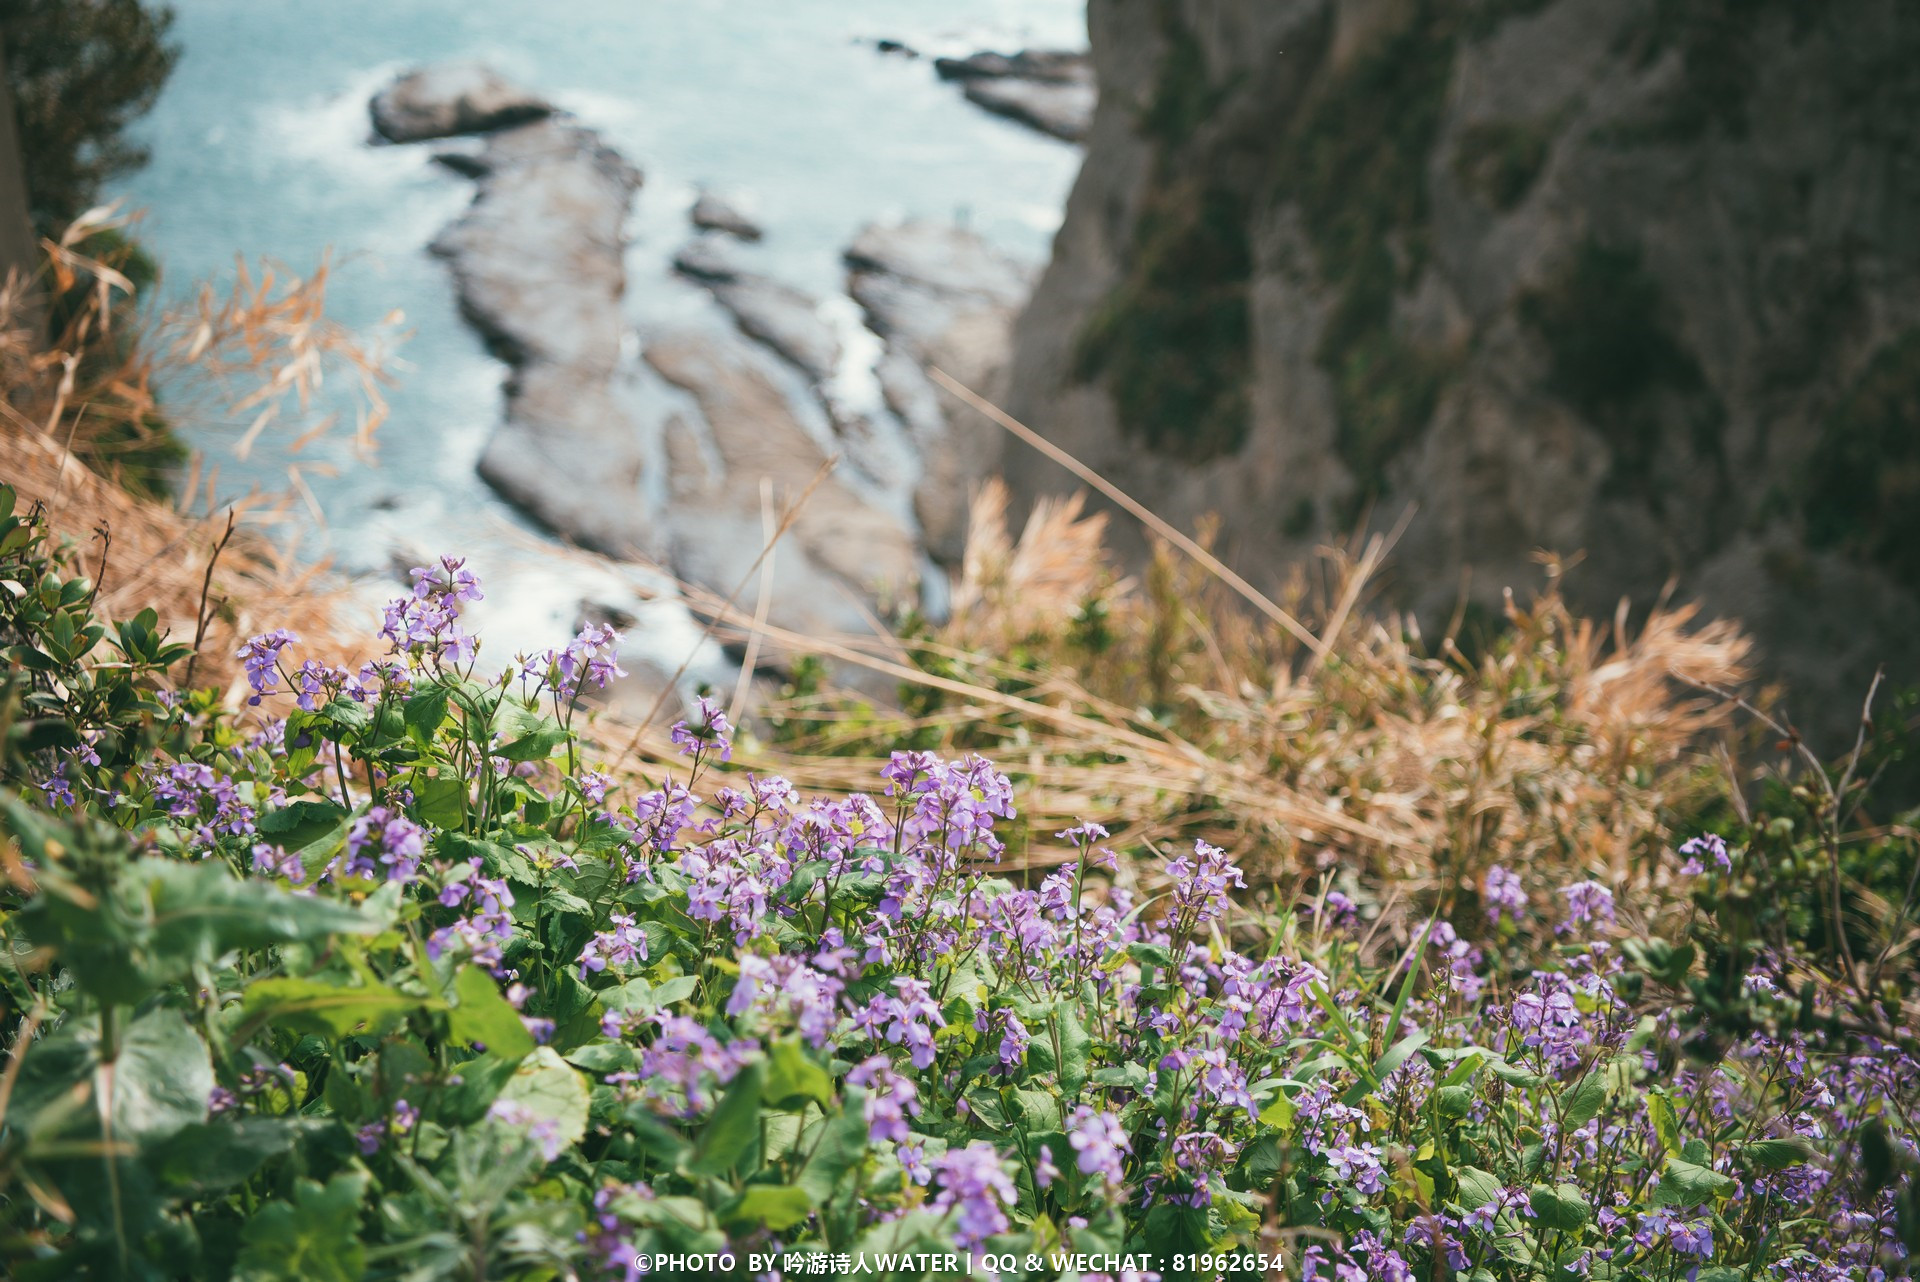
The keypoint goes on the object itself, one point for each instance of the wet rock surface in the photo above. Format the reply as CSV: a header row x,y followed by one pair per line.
x,y
537,260
452,98
711,213
1050,90
942,298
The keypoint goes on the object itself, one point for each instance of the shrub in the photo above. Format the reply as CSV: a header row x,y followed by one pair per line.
x,y
379,977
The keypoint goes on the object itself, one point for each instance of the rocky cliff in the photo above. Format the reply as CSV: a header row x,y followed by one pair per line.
x,y
1633,278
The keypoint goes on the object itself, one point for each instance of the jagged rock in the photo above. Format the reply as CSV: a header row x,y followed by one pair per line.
x,y
1063,110
1050,90
1060,65
844,555
895,46
777,314
708,258
537,260
941,297
710,213
452,98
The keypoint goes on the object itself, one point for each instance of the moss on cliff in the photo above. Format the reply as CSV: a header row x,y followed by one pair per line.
x,y
1355,164
1174,339
1863,481
1615,359
1498,160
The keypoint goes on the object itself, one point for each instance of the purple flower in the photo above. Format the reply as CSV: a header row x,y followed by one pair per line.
x,y
260,656
383,838
1504,894
973,1184
1098,1144
1202,886
624,944
1587,901
1709,845
714,731
890,1097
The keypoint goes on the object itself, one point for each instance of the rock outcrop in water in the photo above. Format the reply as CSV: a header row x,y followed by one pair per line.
x,y
771,311
710,213
452,98
1050,90
672,459
942,298
538,263
1614,276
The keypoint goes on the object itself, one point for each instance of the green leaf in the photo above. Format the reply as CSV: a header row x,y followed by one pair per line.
x,y
774,1207
547,1088
158,1083
1279,1113
1684,1183
793,1080
314,1238
424,713
526,735
1666,1127
1585,1101
329,1010
1776,1155
441,802
839,1144
211,1157
1477,1188
734,1126
1075,1049
1453,1101
485,1017
1560,1206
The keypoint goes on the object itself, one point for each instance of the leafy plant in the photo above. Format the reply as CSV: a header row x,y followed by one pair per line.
x,y
380,977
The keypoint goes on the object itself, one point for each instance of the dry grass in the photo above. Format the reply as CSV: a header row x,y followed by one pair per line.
x,y
82,427
1170,706
1165,712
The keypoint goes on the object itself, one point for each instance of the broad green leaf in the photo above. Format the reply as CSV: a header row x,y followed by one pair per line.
x,y
839,1144
210,1157
734,1126
1279,1113
1075,1049
313,1238
441,802
483,1016
1666,1127
1684,1183
158,1083
1477,1188
1560,1206
1585,1101
424,712
794,1080
774,1207
547,1088
526,735
329,1010
1776,1155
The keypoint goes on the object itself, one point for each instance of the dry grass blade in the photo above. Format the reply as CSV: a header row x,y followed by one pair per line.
x,y
1152,519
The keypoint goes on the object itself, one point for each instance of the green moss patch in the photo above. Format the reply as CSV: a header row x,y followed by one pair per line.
x,y
1863,481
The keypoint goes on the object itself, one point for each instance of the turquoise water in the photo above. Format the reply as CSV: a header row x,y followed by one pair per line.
x,y
261,147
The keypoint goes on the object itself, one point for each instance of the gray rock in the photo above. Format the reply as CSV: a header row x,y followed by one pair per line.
x,y
1058,65
1639,301
844,557
708,258
771,311
452,98
537,260
941,297
710,213
1064,110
